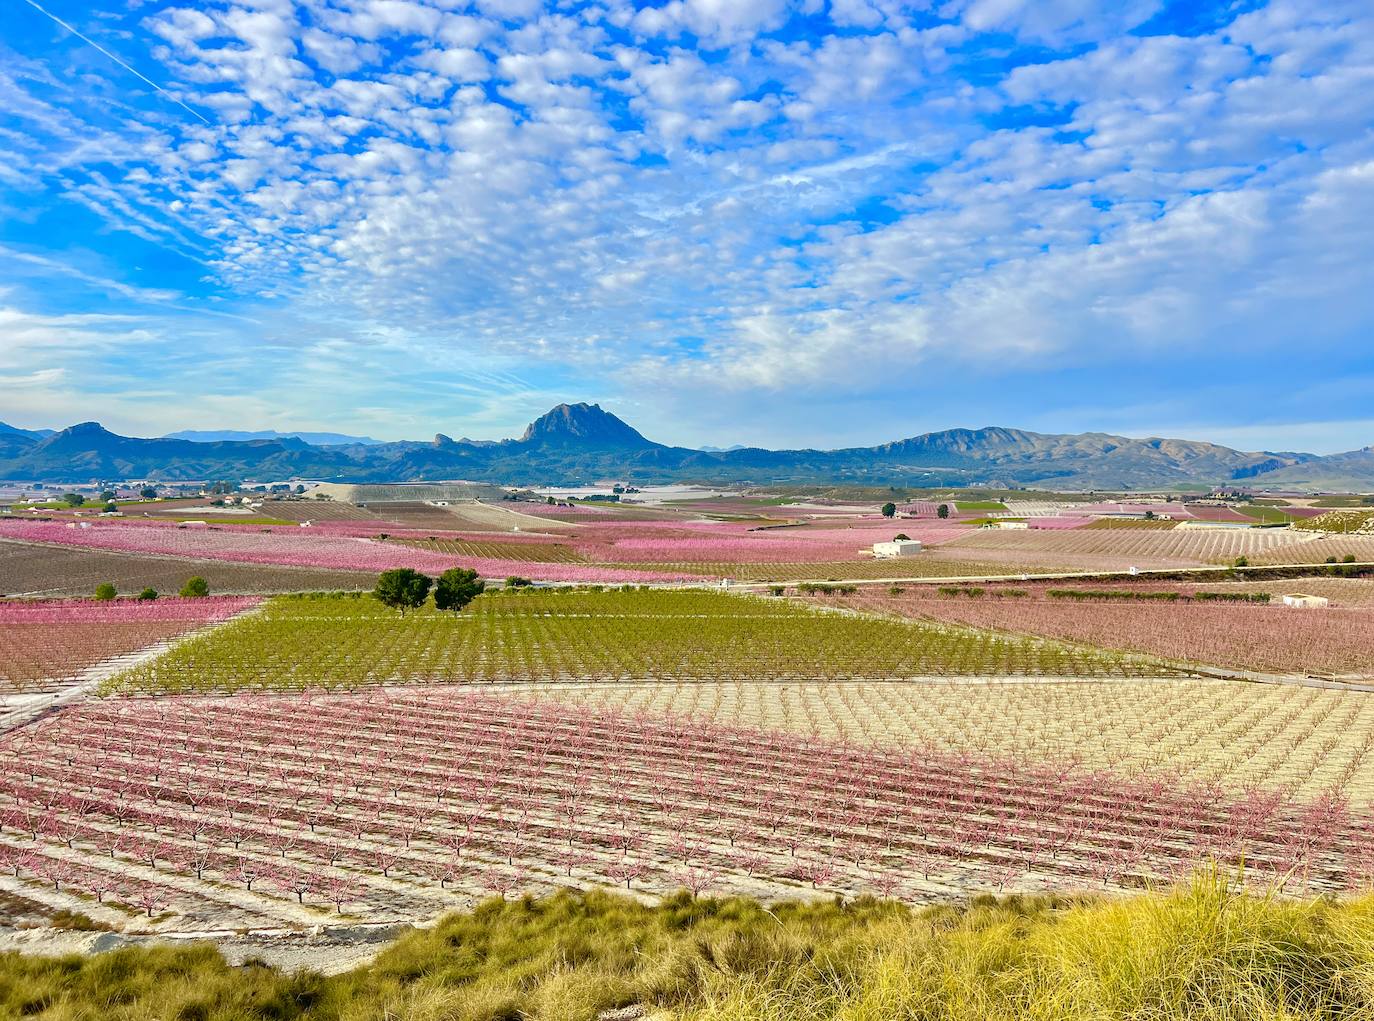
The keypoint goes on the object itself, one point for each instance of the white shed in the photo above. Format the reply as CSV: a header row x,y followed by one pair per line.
x,y
897,548
1305,602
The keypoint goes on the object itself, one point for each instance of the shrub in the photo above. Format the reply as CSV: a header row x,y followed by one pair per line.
x,y
105,591
195,588
515,581
147,594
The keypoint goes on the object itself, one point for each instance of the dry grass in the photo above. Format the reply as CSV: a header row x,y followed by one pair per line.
x,y
1196,953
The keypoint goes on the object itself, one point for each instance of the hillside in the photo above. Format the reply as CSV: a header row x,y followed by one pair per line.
x,y
583,443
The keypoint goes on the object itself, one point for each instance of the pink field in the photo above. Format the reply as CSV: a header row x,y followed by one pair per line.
x,y
1138,546
45,644
300,548
95,611
1256,637
406,803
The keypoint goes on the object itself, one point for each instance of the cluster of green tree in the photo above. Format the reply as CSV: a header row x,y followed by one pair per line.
x,y
404,588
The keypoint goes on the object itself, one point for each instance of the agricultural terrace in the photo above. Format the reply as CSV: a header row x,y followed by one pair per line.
x,y
1267,638
1302,741
580,634
226,812
44,645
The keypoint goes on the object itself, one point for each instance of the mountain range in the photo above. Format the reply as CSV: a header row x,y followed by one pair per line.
x,y
315,439
583,443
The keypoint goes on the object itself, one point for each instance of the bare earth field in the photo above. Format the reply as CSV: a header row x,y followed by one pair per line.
x,y
32,569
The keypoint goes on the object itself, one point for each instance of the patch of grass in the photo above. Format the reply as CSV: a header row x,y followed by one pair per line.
x,y
1199,952
980,505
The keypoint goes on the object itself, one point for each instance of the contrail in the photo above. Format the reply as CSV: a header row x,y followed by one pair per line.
x,y
91,42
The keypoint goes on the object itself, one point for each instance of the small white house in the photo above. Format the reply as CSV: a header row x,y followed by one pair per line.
x,y
1016,525
1305,602
897,548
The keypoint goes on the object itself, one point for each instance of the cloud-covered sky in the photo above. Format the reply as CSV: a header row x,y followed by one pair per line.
x,y
784,222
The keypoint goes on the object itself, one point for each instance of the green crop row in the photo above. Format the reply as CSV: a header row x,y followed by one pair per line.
x,y
577,634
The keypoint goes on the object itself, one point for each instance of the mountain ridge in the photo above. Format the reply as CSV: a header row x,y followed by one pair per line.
x,y
583,442
315,439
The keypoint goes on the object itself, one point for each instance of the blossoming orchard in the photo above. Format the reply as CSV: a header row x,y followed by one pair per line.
x,y
731,697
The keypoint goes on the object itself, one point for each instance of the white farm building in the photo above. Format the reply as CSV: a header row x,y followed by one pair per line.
x,y
1305,602
896,548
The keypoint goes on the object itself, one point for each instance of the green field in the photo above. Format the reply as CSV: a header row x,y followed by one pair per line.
x,y
566,634
980,505
1267,515
1199,953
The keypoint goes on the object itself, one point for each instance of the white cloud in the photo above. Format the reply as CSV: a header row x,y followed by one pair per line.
x,y
600,188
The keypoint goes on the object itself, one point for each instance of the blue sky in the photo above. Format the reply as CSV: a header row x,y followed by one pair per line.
x,y
784,223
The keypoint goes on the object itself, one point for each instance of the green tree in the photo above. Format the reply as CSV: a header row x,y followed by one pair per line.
x,y
889,510
105,591
108,495
457,587
148,492
402,588
195,588
111,508
73,499
1149,515
148,594
942,511
515,581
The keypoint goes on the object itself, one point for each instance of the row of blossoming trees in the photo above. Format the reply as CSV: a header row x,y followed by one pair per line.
x,y
44,644
230,811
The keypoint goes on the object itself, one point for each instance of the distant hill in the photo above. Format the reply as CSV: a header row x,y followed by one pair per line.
x,y
582,443
314,439
14,441
36,434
